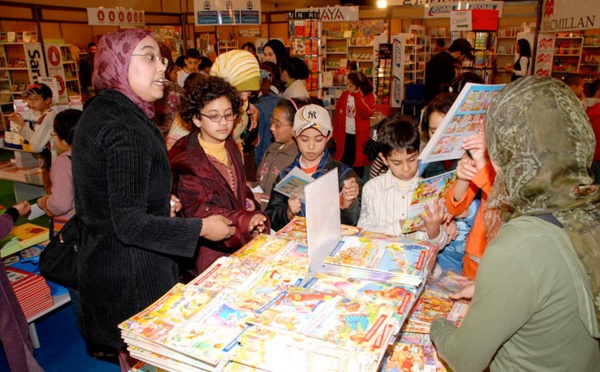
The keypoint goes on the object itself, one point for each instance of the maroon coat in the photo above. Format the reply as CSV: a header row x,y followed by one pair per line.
x,y
365,108
204,192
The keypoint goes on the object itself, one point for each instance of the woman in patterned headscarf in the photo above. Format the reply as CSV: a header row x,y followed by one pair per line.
x,y
122,190
536,300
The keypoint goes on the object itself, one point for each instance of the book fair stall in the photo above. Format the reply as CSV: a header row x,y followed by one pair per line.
x,y
316,295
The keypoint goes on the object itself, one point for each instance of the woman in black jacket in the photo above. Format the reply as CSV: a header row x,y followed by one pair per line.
x,y
129,243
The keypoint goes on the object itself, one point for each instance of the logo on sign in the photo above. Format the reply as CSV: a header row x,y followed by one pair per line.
x,y
129,17
440,9
229,5
101,15
135,16
61,82
111,16
54,56
207,5
549,8
249,5
121,16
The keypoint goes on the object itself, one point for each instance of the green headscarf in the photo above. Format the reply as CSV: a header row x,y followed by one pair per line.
x,y
542,142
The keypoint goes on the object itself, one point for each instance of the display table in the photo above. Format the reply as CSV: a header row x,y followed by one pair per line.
x,y
258,309
25,174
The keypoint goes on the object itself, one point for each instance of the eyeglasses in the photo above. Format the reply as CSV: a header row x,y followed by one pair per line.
x,y
278,123
215,118
153,57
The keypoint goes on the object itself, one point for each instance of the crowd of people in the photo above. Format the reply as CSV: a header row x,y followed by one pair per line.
x,y
159,203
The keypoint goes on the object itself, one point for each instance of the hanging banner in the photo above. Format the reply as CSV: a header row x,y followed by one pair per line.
x,y
115,17
544,54
326,14
562,15
443,10
226,12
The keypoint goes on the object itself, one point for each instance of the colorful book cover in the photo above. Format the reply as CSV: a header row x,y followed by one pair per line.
x,y
405,357
462,120
432,361
296,230
427,192
427,307
293,183
30,234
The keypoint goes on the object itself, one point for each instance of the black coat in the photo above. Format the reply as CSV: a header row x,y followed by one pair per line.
x,y
129,243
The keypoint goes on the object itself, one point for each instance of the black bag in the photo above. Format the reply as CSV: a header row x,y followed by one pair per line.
x,y
58,261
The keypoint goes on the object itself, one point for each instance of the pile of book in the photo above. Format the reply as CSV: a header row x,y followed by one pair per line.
x,y
32,292
21,237
258,309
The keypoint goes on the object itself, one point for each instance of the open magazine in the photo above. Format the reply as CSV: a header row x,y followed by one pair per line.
x,y
294,183
428,191
463,120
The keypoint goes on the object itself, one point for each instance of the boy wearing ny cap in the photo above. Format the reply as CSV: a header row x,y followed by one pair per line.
x,y
39,98
440,69
312,130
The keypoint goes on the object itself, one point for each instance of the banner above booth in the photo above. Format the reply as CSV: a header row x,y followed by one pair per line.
x,y
326,14
115,17
226,12
443,10
561,15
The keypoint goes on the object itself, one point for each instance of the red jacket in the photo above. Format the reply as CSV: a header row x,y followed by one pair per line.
x,y
594,115
365,108
204,192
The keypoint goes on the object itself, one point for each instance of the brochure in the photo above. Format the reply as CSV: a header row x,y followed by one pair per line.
x,y
463,120
294,183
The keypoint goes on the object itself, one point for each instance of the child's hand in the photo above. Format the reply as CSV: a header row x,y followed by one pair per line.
x,y
23,208
466,169
451,228
294,206
175,205
17,119
433,218
475,143
257,224
349,192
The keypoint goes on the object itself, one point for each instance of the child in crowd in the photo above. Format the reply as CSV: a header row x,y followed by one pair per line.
x,y
576,83
205,66
192,60
386,198
59,203
207,167
268,98
39,98
312,130
283,151
294,72
473,174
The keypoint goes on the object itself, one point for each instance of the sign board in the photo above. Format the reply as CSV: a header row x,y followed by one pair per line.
x,y
56,71
443,10
326,14
461,20
485,20
35,60
563,15
115,17
544,54
323,220
226,12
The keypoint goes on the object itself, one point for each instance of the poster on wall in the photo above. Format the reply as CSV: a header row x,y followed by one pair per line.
x,y
561,15
226,12
115,17
443,10
56,71
544,55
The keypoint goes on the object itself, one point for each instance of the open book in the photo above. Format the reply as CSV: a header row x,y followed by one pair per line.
x,y
294,183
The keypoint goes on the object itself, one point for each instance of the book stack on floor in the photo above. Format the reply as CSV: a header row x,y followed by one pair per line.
x,y
259,309
32,292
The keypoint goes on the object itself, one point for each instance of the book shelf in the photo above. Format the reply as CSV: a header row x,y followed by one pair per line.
x,y
20,65
306,44
336,52
589,65
224,46
63,66
567,54
483,43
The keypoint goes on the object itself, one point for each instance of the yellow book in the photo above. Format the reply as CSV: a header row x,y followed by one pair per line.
x,y
30,234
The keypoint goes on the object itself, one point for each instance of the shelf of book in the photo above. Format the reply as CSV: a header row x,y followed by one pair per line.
x,y
306,44
20,65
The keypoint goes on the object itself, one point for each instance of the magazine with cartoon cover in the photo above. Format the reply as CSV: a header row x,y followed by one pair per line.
x,y
293,184
427,192
428,306
462,120
296,230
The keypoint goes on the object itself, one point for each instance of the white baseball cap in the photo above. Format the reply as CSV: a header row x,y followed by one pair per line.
x,y
312,116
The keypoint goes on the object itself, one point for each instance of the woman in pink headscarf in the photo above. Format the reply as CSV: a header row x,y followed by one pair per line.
x,y
129,243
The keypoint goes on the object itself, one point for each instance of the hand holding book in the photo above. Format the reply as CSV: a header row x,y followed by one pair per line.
x,y
433,218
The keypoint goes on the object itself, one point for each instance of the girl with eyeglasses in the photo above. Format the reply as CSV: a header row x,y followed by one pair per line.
x,y
208,171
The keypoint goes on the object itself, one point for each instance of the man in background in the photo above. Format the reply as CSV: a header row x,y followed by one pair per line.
x,y
440,70
86,69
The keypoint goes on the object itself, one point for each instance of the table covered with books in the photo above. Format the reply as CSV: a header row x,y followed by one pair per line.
x,y
259,309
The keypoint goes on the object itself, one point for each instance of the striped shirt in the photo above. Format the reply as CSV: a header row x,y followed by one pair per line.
x,y
385,205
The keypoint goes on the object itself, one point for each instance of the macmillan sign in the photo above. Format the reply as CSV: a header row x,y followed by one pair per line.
x,y
562,15
226,12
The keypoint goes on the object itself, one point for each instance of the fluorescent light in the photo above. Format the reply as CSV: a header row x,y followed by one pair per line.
x,y
381,3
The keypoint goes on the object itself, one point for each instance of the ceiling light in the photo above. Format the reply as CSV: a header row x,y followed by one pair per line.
x,y
381,3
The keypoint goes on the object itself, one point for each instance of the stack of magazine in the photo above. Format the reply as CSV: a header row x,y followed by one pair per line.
x,y
259,309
